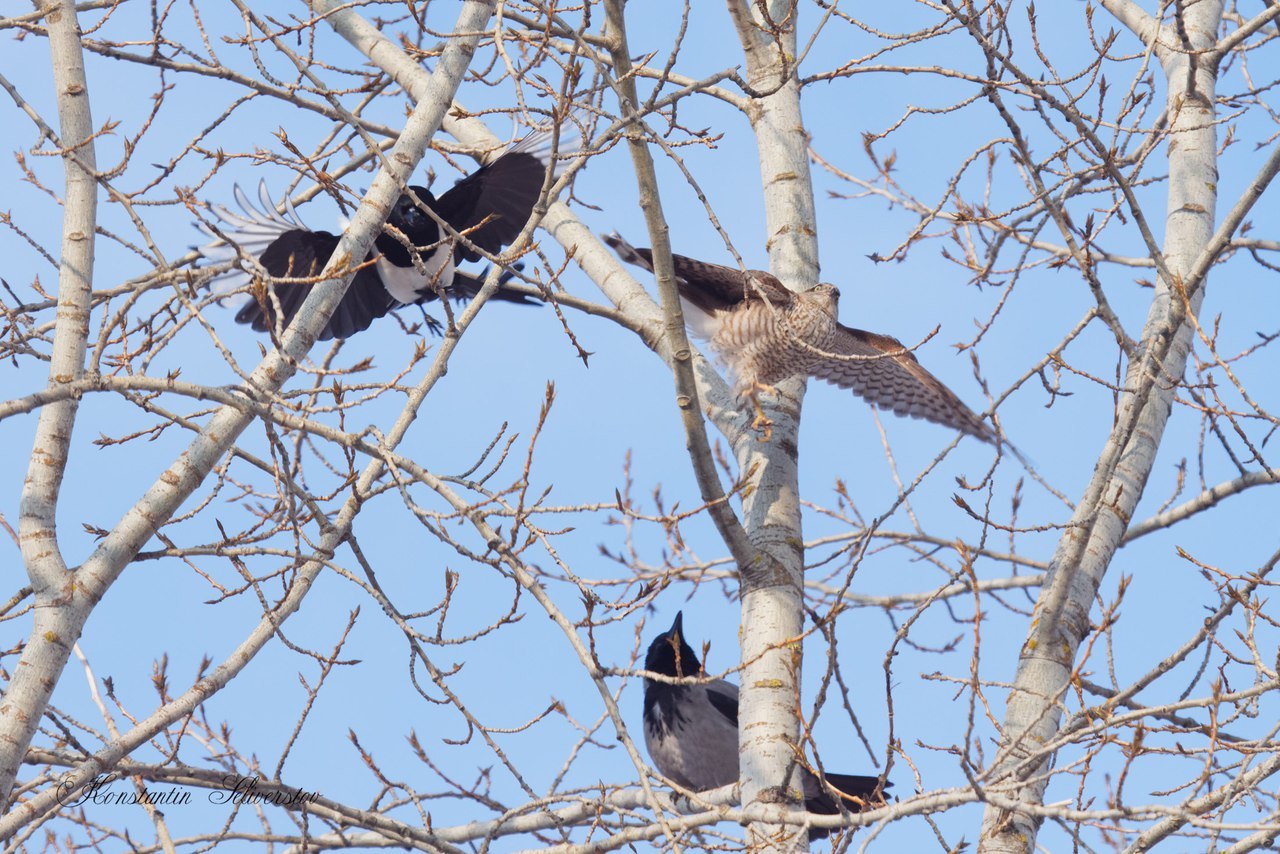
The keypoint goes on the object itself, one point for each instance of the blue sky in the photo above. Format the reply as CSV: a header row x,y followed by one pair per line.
x,y
619,408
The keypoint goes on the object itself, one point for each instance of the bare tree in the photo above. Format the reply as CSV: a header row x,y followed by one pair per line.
x,y
1060,640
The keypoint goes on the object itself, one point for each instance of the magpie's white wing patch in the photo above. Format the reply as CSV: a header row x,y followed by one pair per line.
x,y
538,144
246,234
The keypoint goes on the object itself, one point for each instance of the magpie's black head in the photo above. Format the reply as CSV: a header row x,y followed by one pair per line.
x,y
670,654
410,218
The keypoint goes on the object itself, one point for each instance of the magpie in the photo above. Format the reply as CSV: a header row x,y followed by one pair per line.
x,y
691,731
410,259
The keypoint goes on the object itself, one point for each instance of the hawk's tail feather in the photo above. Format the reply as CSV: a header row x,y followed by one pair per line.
x,y
628,253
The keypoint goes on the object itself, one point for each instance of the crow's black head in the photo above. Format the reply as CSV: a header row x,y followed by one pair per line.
x,y
670,655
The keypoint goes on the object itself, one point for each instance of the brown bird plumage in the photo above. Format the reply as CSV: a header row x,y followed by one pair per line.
x,y
766,333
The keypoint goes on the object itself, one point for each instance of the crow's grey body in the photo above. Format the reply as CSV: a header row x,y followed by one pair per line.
x,y
691,731
690,737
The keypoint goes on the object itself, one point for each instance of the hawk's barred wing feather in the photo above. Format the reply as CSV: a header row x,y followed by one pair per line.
x,y
883,372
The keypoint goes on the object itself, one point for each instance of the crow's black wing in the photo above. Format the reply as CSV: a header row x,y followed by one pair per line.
x,y
724,696
818,800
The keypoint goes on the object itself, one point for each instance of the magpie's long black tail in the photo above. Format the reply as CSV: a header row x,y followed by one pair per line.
x,y
465,286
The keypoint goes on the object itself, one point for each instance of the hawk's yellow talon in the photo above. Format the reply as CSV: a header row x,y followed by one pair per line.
x,y
762,422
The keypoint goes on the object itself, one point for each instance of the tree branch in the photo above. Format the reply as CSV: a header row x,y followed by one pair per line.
x,y
46,655
55,631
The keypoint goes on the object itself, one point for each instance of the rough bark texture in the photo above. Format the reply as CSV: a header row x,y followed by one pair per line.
x,y
772,605
1084,553
55,631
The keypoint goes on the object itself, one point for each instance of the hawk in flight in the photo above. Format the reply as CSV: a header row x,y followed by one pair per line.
x,y
766,333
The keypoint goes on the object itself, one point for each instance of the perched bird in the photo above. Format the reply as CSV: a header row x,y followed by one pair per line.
x,y
411,258
691,731
766,333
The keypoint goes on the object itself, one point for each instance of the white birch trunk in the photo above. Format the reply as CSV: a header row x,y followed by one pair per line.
x,y
65,598
772,603
55,628
1061,618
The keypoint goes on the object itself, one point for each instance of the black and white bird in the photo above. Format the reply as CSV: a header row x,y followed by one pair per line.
x,y
413,259
691,731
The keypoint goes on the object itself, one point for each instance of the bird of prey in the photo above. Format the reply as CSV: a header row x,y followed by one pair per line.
x,y
691,732
766,333
412,261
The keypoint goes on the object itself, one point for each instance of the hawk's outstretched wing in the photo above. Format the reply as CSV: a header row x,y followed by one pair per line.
x,y
766,342
885,373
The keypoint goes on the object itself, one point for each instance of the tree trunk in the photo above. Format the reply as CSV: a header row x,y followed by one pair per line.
x,y
1061,619
772,601
65,598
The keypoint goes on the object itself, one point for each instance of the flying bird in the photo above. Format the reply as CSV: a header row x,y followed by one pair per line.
x,y
766,333
413,259
691,732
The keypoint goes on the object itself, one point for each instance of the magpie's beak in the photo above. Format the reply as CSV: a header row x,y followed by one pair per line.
x,y
677,628
410,214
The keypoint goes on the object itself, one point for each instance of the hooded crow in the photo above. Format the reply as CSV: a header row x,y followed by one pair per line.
x,y
691,731
413,260
767,333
